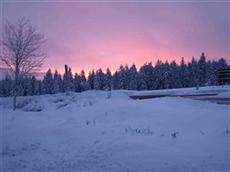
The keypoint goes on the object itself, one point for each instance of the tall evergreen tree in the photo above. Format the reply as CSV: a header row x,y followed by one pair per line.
x,y
91,80
133,78
193,73
83,81
174,75
57,81
202,66
77,83
38,87
147,76
115,80
68,80
166,75
99,80
108,80
47,83
184,74
222,63
122,82
33,85
6,86
158,76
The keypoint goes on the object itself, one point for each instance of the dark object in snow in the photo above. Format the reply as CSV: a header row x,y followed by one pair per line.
x,y
143,131
93,122
201,132
58,100
62,105
174,135
87,122
140,97
227,131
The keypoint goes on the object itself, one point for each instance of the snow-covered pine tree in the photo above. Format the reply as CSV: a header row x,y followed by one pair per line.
x,y
193,73
108,80
202,68
222,63
83,81
91,80
57,81
184,75
141,83
20,85
209,72
174,75
166,75
99,80
126,76
133,78
6,87
77,83
115,81
146,75
47,83
68,80
213,73
158,82
38,87
33,83
26,86
121,79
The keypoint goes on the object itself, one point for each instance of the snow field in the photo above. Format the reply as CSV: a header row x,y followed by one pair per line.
x,y
88,132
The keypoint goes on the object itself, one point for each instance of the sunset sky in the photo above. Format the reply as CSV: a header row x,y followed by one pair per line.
x,y
90,35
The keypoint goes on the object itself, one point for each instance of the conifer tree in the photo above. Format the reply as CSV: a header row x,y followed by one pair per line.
x,y
99,80
57,81
47,84
68,80
133,78
108,80
184,76
83,81
202,70
91,80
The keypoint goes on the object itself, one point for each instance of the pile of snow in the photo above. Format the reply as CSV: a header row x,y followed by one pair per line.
x,y
89,132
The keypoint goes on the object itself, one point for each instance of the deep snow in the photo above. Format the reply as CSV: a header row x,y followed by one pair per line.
x,y
88,132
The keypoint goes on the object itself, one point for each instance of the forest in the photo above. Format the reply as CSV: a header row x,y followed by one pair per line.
x,y
164,75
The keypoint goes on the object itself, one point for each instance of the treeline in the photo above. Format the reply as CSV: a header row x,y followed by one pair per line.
x,y
163,75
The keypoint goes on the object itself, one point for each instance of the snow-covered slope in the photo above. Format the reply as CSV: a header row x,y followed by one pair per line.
x,y
88,132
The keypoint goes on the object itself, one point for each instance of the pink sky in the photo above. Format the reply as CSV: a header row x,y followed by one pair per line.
x,y
94,35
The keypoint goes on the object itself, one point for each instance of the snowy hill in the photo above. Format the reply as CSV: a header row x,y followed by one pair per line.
x,y
88,132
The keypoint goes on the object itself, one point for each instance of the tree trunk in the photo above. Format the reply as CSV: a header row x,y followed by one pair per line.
x,y
15,89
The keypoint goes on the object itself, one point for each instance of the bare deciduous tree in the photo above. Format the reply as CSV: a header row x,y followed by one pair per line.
x,y
22,50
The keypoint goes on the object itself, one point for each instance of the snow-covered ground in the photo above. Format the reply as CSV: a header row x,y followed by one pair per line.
x,y
88,132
